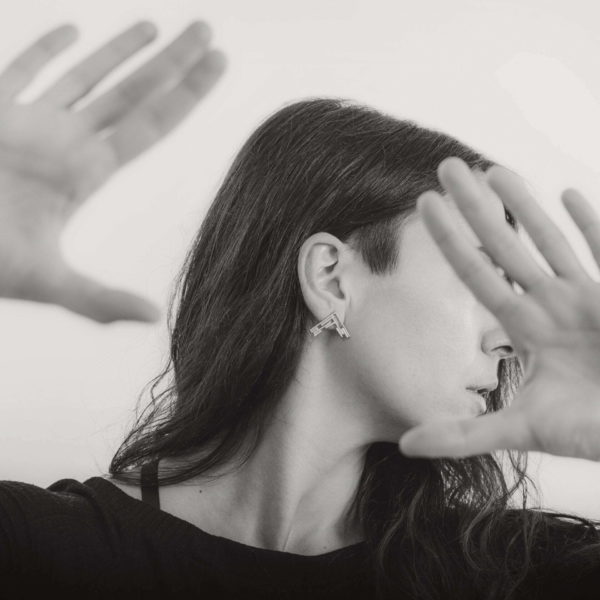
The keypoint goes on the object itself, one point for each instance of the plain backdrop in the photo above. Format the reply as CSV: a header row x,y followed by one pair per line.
x,y
516,79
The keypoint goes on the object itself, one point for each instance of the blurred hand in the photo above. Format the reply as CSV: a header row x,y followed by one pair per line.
x,y
554,325
56,152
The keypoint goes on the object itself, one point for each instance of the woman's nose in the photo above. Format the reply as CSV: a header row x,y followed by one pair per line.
x,y
499,344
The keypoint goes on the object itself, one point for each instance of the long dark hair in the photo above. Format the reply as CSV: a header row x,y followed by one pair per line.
x,y
241,323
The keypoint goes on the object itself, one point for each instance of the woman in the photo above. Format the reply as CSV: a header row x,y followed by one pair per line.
x,y
316,322
320,218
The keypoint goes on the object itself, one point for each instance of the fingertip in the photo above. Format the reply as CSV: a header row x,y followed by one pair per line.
x,y
150,313
501,178
441,438
147,28
123,306
68,32
571,195
404,447
450,164
202,30
408,444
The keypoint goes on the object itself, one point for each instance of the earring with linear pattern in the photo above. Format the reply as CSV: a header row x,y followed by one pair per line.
x,y
330,320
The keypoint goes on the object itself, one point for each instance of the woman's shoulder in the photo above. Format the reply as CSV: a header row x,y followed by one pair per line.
x,y
79,513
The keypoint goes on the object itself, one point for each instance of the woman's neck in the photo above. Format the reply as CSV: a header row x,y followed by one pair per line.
x,y
294,492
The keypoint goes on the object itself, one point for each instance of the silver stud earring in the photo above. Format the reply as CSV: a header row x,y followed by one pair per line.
x,y
327,322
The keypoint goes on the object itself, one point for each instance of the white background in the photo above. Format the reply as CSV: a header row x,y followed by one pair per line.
x,y
518,80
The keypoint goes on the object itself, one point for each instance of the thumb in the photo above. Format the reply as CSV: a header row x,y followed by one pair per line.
x,y
453,438
93,300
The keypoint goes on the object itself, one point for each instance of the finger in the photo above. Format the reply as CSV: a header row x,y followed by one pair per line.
x,y
516,313
161,72
80,80
504,429
84,296
25,67
500,240
157,117
548,238
586,218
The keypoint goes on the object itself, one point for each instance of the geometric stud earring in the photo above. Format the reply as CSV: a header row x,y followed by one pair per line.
x,y
327,322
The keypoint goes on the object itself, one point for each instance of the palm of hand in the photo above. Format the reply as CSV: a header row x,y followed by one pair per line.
x,y
558,398
48,151
50,162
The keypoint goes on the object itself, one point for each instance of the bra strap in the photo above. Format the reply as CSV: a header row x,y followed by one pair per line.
x,y
150,484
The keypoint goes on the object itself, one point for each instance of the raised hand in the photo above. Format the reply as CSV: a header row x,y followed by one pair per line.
x,y
554,324
56,151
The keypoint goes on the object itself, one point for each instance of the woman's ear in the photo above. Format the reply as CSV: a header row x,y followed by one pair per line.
x,y
321,269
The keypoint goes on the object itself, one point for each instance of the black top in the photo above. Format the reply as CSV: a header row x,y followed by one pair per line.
x,y
92,540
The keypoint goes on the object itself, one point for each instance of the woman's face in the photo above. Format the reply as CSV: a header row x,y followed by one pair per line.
x,y
420,338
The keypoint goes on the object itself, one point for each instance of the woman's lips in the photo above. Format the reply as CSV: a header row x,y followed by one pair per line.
x,y
479,398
